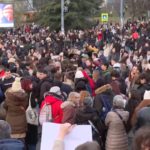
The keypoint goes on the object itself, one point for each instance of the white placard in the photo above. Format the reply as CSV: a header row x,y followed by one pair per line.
x,y
79,135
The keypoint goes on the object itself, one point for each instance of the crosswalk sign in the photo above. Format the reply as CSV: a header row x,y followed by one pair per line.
x,y
104,17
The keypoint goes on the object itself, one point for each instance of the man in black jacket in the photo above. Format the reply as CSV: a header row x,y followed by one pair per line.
x,y
45,83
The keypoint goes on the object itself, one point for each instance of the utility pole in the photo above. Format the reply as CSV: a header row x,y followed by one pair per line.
x,y
121,13
62,17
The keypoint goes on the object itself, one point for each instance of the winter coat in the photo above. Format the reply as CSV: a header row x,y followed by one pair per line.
x,y
44,86
11,144
104,90
16,104
69,112
142,88
65,88
106,75
143,118
116,135
86,114
143,103
83,115
55,103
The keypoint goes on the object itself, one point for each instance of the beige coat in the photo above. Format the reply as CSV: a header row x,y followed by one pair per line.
x,y
116,136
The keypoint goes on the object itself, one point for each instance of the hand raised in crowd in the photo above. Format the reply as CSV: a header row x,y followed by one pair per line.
x,y
65,129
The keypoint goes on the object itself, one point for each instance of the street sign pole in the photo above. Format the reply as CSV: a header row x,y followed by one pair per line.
x,y
121,14
62,17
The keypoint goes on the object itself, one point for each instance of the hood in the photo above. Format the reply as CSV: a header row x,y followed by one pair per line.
x,y
66,104
103,89
21,95
50,99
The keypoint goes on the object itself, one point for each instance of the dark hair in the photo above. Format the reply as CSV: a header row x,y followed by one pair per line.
x,y
143,76
115,73
105,64
142,139
58,76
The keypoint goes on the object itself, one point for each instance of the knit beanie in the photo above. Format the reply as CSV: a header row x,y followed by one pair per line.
x,y
16,86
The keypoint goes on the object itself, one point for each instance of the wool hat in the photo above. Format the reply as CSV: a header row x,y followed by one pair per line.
x,y
79,74
119,101
16,85
146,95
56,90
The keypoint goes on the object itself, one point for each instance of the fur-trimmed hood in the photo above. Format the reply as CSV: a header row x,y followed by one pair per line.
x,y
103,88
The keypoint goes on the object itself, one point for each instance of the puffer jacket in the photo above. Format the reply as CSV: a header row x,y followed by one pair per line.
x,y
16,104
116,135
104,90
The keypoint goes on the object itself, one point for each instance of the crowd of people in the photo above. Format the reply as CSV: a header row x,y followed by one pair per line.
x,y
98,76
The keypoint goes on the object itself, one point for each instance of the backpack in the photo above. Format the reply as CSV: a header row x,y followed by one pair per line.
x,y
45,114
106,106
1,95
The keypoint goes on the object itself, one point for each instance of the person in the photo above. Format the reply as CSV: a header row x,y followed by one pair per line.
x,y
88,115
133,102
45,83
53,98
16,103
29,87
142,139
143,85
70,107
116,135
6,142
142,104
143,118
103,100
66,129
6,81
105,72
7,14
65,88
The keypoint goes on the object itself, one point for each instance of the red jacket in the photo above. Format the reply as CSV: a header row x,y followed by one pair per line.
x,y
55,103
91,82
2,74
135,35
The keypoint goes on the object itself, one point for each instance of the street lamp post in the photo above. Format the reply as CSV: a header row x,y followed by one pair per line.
x,y
121,13
62,17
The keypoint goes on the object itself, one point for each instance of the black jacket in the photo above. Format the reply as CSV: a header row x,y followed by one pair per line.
x,y
44,86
